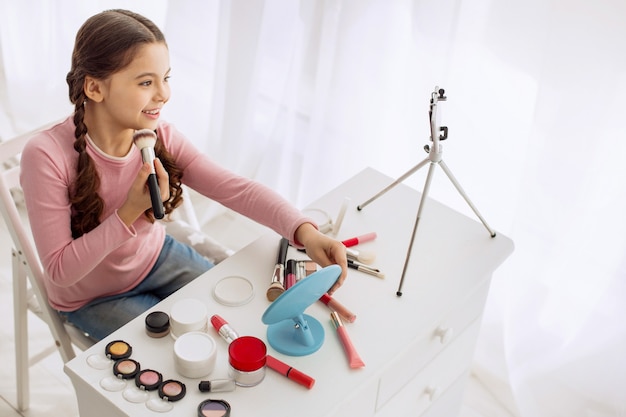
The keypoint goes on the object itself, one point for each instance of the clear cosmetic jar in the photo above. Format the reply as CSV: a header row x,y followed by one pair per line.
x,y
194,354
246,359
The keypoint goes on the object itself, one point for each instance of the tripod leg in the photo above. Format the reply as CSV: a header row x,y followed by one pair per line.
x,y
396,182
429,177
465,197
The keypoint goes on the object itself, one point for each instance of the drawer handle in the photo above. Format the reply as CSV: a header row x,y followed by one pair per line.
x,y
444,334
432,392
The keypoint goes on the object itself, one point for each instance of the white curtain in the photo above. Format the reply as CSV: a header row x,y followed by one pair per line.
x,y
301,95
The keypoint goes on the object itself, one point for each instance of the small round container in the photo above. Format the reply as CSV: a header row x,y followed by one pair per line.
x,y
126,368
214,408
246,359
157,324
194,354
187,315
118,349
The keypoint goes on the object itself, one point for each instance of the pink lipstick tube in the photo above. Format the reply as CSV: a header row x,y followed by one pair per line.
x,y
354,360
359,239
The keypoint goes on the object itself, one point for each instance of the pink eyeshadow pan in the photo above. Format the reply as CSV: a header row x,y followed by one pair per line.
x,y
171,389
149,378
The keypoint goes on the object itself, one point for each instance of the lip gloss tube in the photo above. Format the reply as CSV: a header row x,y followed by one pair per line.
x,y
335,305
354,359
290,274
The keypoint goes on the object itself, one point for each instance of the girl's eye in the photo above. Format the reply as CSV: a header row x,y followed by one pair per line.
x,y
146,83
167,78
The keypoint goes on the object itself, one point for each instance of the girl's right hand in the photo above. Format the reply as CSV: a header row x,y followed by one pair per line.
x,y
138,197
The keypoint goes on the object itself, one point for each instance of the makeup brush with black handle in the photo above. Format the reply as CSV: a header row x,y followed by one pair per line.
x,y
144,140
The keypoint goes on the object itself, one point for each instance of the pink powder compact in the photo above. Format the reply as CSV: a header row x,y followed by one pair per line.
x,y
246,357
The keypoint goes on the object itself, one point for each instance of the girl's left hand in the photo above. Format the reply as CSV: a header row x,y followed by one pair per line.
x,y
324,251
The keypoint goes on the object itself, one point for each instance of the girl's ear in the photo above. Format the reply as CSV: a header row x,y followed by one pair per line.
x,y
93,89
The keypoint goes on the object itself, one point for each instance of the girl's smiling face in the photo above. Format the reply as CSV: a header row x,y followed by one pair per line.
x,y
133,97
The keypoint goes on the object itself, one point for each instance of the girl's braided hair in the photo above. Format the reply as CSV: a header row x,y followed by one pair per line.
x,y
105,44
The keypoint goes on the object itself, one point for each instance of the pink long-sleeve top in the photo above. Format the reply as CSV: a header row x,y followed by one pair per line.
x,y
112,258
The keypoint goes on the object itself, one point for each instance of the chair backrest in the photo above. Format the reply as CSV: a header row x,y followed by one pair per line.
x,y
17,225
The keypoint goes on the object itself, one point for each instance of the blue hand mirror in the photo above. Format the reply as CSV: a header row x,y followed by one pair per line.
x,y
290,331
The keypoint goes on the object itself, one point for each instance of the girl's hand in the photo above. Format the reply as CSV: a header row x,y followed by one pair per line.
x,y
163,178
138,197
324,251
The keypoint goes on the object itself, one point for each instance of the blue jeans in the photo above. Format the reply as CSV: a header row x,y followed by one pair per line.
x,y
177,265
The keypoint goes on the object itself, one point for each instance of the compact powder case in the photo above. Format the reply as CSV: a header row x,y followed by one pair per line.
x,y
148,379
172,390
118,349
126,368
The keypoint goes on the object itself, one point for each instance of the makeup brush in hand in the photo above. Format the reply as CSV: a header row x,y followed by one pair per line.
x,y
144,140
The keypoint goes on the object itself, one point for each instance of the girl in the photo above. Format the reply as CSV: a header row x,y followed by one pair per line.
x,y
105,258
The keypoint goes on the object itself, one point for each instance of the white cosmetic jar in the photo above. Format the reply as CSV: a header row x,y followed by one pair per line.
x,y
194,354
188,315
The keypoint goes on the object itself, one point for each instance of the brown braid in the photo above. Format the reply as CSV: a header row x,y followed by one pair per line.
x,y
105,44
87,205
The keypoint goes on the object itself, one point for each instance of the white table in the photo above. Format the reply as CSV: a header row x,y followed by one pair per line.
x,y
417,348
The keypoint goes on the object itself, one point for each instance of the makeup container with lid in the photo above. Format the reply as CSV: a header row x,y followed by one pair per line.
x,y
246,359
194,354
157,324
188,315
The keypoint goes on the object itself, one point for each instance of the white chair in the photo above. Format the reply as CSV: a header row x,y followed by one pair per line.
x,y
29,293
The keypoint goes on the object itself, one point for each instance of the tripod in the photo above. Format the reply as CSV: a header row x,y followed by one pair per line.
x,y
435,156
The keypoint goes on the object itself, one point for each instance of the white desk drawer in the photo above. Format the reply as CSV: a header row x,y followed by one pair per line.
x,y
426,388
431,342
362,402
449,404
